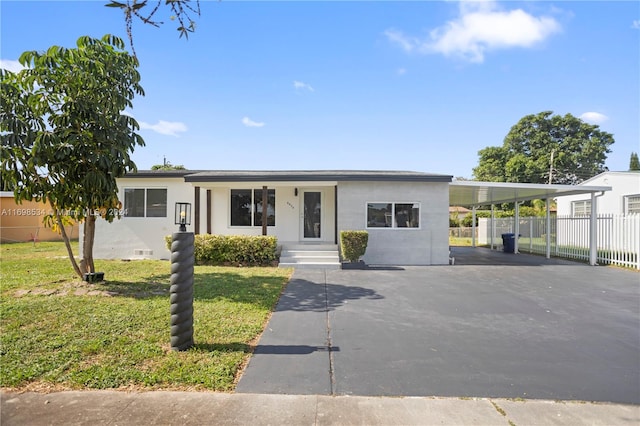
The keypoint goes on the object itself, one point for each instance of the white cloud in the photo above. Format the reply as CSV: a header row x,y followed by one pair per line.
x,y
171,128
594,117
13,66
250,123
636,24
480,27
401,71
302,86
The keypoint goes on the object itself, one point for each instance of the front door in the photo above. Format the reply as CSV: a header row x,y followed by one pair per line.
x,y
311,219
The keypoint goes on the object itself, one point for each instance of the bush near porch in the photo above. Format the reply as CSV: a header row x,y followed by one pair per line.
x,y
245,250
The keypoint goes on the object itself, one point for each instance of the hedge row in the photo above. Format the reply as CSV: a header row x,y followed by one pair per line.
x,y
233,249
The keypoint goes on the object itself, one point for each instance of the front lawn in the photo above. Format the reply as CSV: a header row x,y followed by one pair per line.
x,y
60,333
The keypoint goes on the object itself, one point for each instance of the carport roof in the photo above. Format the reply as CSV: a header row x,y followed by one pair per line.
x,y
472,193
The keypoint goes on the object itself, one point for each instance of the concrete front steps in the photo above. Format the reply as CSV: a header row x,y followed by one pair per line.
x,y
310,256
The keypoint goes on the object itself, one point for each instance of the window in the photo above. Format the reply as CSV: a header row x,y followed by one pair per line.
x,y
141,202
632,204
246,207
393,215
581,208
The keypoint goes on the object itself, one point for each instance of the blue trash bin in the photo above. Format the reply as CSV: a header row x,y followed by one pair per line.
x,y
509,242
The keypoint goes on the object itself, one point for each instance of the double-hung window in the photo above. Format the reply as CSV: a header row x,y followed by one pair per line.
x,y
145,202
247,205
632,204
393,215
581,208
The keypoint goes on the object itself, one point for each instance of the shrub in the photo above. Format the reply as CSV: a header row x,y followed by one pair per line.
x,y
233,249
353,244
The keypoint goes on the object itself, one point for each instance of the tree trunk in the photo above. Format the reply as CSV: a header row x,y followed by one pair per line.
x,y
65,237
86,264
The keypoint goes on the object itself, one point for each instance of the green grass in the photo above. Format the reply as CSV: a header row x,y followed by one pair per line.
x,y
58,332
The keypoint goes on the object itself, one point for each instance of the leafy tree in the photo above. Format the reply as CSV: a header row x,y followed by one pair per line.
x,y
634,164
546,148
64,139
168,166
146,11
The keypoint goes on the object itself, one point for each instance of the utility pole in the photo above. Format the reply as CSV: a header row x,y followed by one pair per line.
x,y
551,167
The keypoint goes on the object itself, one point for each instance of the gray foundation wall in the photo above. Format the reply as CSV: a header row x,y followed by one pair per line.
x,y
426,245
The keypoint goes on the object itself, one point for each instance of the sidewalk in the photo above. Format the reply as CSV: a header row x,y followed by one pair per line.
x,y
200,408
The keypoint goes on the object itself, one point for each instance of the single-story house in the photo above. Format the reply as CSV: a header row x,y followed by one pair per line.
x,y
622,199
406,213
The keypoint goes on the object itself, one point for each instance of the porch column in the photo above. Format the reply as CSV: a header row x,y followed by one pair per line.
x,y
196,208
335,215
265,199
208,211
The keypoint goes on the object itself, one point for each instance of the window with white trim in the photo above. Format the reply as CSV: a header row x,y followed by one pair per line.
x,y
581,208
145,202
246,207
632,204
393,215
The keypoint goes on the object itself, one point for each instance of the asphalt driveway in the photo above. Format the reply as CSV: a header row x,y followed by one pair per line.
x,y
492,325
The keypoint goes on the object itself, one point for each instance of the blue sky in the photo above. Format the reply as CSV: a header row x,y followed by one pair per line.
x,y
360,85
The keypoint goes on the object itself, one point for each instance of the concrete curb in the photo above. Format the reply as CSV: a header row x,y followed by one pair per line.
x,y
200,408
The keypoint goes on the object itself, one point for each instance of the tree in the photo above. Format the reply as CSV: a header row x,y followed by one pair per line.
x,y
64,138
634,164
546,148
181,10
166,165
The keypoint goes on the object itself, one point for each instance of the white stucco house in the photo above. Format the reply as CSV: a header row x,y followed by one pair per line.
x,y
405,213
622,199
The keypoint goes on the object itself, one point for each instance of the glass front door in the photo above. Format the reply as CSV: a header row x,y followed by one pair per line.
x,y
312,215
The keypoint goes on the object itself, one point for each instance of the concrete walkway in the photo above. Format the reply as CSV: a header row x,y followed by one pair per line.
x,y
97,408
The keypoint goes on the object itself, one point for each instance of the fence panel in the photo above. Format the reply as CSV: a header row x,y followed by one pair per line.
x,y
618,237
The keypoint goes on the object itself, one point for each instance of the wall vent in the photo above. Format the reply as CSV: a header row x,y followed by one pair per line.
x,y
142,252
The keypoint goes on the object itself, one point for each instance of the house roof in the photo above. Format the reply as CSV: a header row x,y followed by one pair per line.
x,y
314,176
473,193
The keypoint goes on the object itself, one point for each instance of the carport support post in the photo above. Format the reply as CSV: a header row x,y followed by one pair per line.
x,y
548,226
516,226
473,226
593,231
493,226
181,290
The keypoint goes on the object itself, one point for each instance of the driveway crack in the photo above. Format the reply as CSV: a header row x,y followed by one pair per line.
x,y
332,378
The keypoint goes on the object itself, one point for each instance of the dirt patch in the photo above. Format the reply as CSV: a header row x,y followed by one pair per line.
x,y
69,288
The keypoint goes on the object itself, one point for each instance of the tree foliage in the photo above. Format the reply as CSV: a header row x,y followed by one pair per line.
x,y
168,166
146,11
64,137
634,163
546,148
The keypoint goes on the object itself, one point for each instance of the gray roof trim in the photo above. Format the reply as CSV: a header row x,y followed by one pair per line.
x,y
315,176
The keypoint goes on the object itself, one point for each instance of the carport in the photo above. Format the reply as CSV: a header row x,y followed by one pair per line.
x,y
473,194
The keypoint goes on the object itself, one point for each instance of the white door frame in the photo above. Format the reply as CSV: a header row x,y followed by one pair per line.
x,y
322,214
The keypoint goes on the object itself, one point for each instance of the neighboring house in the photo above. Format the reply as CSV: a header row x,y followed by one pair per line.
x,y
23,222
623,199
405,213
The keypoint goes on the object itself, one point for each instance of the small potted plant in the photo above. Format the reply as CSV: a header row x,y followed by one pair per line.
x,y
353,245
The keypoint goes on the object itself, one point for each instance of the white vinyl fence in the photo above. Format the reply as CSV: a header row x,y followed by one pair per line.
x,y
618,237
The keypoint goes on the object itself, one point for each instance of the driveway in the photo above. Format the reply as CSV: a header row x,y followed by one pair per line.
x,y
493,325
